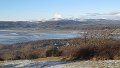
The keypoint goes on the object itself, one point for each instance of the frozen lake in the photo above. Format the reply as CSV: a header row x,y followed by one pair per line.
x,y
9,37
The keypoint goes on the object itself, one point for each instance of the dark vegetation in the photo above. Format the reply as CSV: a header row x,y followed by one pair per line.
x,y
93,45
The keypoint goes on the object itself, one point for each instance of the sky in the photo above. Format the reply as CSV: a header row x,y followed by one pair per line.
x,y
45,9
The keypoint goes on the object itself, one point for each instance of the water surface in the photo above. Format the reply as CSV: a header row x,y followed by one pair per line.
x,y
8,37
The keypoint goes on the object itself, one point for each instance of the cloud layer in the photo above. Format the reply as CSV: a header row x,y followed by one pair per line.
x,y
111,15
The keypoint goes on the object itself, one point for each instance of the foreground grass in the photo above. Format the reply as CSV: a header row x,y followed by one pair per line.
x,y
49,59
92,49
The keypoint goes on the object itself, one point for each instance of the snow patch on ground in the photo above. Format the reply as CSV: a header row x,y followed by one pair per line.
x,y
60,64
29,64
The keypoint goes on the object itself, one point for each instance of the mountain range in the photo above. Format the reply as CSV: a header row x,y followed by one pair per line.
x,y
61,24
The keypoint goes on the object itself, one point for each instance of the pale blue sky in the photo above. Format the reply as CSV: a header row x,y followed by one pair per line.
x,y
37,9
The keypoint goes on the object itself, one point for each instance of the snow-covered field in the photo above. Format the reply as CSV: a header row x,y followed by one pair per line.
x,y
29,64
60,64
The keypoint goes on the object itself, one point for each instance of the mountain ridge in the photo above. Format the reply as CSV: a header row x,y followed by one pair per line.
x,y
58,24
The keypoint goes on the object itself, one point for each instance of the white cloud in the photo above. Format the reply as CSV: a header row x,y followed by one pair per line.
x,y
114,13
111,15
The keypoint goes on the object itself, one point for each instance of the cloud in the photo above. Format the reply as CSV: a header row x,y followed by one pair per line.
x,y
114,13
111,15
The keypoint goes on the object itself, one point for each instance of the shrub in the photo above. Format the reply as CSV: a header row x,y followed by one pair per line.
x,y
8,56
53,52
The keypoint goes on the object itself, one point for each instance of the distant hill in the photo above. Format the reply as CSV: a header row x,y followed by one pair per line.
x,y
61,24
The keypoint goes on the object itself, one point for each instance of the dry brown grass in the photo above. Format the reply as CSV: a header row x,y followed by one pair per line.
x,y
50,59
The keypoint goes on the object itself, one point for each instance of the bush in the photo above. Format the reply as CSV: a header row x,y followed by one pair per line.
x,y
1,59
53,53
8,56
